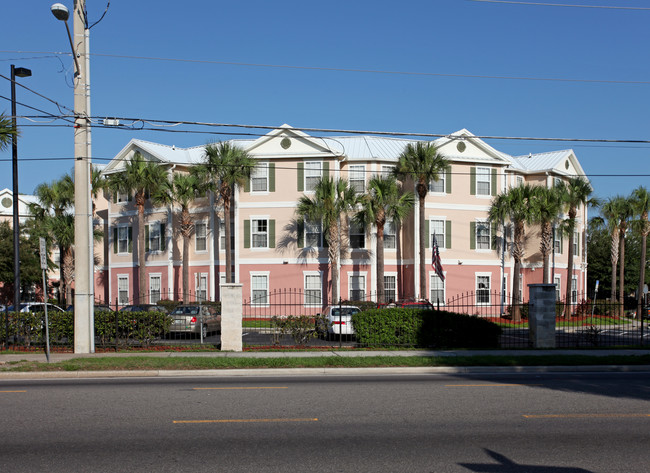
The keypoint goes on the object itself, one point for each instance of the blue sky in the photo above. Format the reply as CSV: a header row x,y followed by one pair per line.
x,y
445,41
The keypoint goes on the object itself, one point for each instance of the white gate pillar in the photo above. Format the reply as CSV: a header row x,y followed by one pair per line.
x,y
231,317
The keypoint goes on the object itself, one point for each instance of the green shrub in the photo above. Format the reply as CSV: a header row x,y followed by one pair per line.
x,y
300,327
424,328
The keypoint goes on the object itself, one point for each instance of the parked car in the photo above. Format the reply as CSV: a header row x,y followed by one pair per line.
x,y
423,304
144,308
36,307
194,319
337,320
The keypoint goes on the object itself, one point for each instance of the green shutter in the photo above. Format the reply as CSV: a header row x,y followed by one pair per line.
x,y
472,235
247,185
146,238
271,233
472,179
247,233
493,236
427,243
301,177
561,243
163,237
448,234
271,177
301,234
448,180
494,181
115,240
130,197
115,197
326,169
130,240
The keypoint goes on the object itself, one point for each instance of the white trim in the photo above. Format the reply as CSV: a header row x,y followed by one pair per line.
x,y
352,274
304,285
476,289
254,274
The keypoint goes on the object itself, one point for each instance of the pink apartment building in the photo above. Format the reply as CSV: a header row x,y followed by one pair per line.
x,y
272,252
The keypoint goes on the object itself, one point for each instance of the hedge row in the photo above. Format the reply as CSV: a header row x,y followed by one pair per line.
x,y
139,328
424,328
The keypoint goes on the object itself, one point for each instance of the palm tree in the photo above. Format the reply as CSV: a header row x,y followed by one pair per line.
x,y
384,202
575,192
6,131
332,200
225,166
611,215
54,211
139,177
625,212
181,190
546,206
514,205
641,206
423,163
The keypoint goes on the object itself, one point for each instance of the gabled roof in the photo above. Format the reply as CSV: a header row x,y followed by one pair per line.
x,y
563,162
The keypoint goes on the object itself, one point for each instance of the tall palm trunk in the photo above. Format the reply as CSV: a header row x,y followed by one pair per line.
x,y
67,257
613,254
621,273
142,270
333,250
644,239
225,195
569,279
186,231
422,193
545,248
380,264
518,255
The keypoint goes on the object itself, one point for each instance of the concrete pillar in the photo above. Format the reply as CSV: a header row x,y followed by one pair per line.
x,y
541,316
231,317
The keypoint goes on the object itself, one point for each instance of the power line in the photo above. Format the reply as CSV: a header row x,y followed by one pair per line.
x,y
542,4
59,106
356,70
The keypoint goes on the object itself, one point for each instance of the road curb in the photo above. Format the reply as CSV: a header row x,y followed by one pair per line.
x,y
274,372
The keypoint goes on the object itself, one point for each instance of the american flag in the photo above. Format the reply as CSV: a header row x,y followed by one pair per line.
x,y
436,264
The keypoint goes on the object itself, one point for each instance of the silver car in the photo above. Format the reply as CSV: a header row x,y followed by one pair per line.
x,y
337,320
195,319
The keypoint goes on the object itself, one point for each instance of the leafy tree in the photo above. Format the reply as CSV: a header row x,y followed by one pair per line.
x,y
30,264
546,206
423,163
384,202
225,166
514,205
641,205
574,193
332,200
6,131
181,190
140,177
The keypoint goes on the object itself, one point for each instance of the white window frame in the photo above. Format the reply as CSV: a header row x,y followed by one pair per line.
x,y
261,232
123,282
438,186
489,288
222,234
519,181
390,235
121,198
198,238
357,177
485,224
311,292
557,279
152,278
359,277
392,276
201,287
574,289
484,176
557,242
123,236
257,276
440,236
313,172
386,171
260,176
434,280
313,229
152,238
574,242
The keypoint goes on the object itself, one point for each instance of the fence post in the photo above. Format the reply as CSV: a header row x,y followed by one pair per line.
x,y
541,315
231,317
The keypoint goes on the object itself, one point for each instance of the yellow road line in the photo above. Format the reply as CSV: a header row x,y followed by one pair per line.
x,y
251,387
487,385
234,421
582,416
13,391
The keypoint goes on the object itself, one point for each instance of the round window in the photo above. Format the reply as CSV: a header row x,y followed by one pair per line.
x,y
461,146
566,164
285,143
6,202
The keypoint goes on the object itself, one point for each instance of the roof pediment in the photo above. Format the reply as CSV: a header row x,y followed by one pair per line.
x,y
287,142
465,146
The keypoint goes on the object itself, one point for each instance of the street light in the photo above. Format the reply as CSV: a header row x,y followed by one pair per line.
x,y
16,72
84,339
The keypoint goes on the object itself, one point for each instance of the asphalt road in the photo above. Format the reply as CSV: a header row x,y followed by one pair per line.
x,y
569,422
